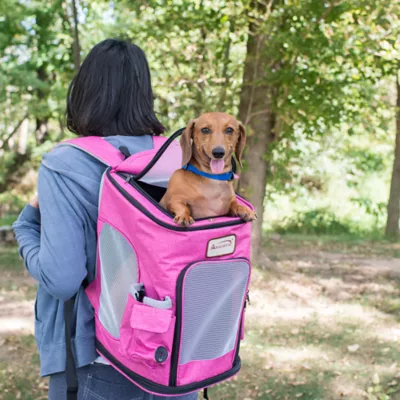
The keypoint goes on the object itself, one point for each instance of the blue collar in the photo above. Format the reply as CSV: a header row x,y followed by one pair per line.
x,y
227,176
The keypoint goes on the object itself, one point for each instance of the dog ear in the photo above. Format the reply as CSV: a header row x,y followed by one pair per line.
x,y
240,143
186,142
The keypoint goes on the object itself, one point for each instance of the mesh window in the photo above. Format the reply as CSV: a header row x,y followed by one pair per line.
x,y
212,301
118,272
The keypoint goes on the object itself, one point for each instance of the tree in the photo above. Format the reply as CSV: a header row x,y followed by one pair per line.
x,y
257,113
37,65
76,45
393,214
308,68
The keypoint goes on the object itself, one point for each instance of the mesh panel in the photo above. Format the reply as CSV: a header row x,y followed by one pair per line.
x,y
118,272
212,301
167,164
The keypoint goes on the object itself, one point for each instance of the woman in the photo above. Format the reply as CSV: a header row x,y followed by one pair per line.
x,y
111,96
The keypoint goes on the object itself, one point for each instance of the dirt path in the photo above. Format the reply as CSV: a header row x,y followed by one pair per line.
x,y
323,324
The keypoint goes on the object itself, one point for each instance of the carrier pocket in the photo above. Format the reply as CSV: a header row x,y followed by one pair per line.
x,y
147,333
209,308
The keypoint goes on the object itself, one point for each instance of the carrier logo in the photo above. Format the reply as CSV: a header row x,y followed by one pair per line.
x,y
221,246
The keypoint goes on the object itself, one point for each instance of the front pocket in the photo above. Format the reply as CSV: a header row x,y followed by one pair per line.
x,y
209,302
147,333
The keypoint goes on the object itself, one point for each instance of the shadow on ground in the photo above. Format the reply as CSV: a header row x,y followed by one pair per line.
x,y
323,324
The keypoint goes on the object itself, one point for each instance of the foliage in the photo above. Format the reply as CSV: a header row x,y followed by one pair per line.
x,y
319,221
330,64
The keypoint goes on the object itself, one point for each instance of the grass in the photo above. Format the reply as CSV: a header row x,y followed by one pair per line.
x,y
323,324
9,259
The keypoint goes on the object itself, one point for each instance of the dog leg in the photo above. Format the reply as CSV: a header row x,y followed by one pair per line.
x,y
181,211
244,212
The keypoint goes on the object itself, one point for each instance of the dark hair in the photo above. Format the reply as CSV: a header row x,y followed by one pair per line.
x,y
111,93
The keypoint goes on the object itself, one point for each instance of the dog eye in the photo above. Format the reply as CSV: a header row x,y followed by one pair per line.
x,y
205,130
229,130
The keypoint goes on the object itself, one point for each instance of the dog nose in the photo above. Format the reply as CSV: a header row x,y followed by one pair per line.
x,y
218,152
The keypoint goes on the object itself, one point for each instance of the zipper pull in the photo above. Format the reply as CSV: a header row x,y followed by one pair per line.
x,y
128,178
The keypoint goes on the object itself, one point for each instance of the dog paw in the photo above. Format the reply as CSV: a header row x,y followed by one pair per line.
x,y
244,213
184,220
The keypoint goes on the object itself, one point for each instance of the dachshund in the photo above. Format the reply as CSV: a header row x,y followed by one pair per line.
x,y
204,186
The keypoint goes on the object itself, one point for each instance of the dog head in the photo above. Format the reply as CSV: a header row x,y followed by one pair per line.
x,y
210,141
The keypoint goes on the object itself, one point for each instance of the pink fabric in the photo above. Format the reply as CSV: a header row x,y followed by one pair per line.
x,y
150,319
136,351
168,163
159,214
162,253
153,242
204,369
199,370
242,330
98,147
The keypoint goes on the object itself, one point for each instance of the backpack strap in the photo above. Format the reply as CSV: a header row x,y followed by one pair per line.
x,y
98,148
70,365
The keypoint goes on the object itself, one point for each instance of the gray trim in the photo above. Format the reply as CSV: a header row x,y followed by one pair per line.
x,y
85,151
163,304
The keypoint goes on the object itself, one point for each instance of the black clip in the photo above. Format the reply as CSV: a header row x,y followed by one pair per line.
x,y
140,295
124,150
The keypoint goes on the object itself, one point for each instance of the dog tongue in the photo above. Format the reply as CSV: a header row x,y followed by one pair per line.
x,y
217,166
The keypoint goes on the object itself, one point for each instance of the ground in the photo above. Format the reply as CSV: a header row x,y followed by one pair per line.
x,y
323,324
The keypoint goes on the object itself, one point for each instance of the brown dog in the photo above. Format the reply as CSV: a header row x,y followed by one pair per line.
x,y
208,143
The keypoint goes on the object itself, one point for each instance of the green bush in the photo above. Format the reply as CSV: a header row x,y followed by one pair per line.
x,y
317,221
10,206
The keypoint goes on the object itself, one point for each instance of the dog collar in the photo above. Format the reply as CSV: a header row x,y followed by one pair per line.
x,y
227,176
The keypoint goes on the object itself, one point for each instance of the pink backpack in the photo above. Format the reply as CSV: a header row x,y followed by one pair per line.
x,y
169,301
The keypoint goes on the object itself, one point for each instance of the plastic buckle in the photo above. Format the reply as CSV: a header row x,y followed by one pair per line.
x,y
140,295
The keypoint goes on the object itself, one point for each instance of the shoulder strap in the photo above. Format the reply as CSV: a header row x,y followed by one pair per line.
x,y
70,366
98,148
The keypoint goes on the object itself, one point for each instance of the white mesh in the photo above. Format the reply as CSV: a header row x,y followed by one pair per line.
x,y
166,165
118,272
212,304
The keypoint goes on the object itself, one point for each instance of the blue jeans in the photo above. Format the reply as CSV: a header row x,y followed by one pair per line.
x,y
102,382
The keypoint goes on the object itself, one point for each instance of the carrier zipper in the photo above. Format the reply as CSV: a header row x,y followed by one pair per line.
x,y
178,324
159,153
161,389
128,178
137,205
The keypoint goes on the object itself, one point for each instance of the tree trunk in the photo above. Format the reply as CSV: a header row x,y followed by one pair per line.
x,y
256,113
16,167
393,213
77,46
41,131
226,62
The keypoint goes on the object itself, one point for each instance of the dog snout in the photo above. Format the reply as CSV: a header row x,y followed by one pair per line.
x,y
218,152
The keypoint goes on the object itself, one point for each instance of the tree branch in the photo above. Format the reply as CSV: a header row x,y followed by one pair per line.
x,y
4,144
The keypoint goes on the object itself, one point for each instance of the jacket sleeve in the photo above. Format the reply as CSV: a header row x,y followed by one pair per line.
x,y
52,240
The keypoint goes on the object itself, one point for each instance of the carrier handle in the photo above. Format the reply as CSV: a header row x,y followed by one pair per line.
x,y
159,153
